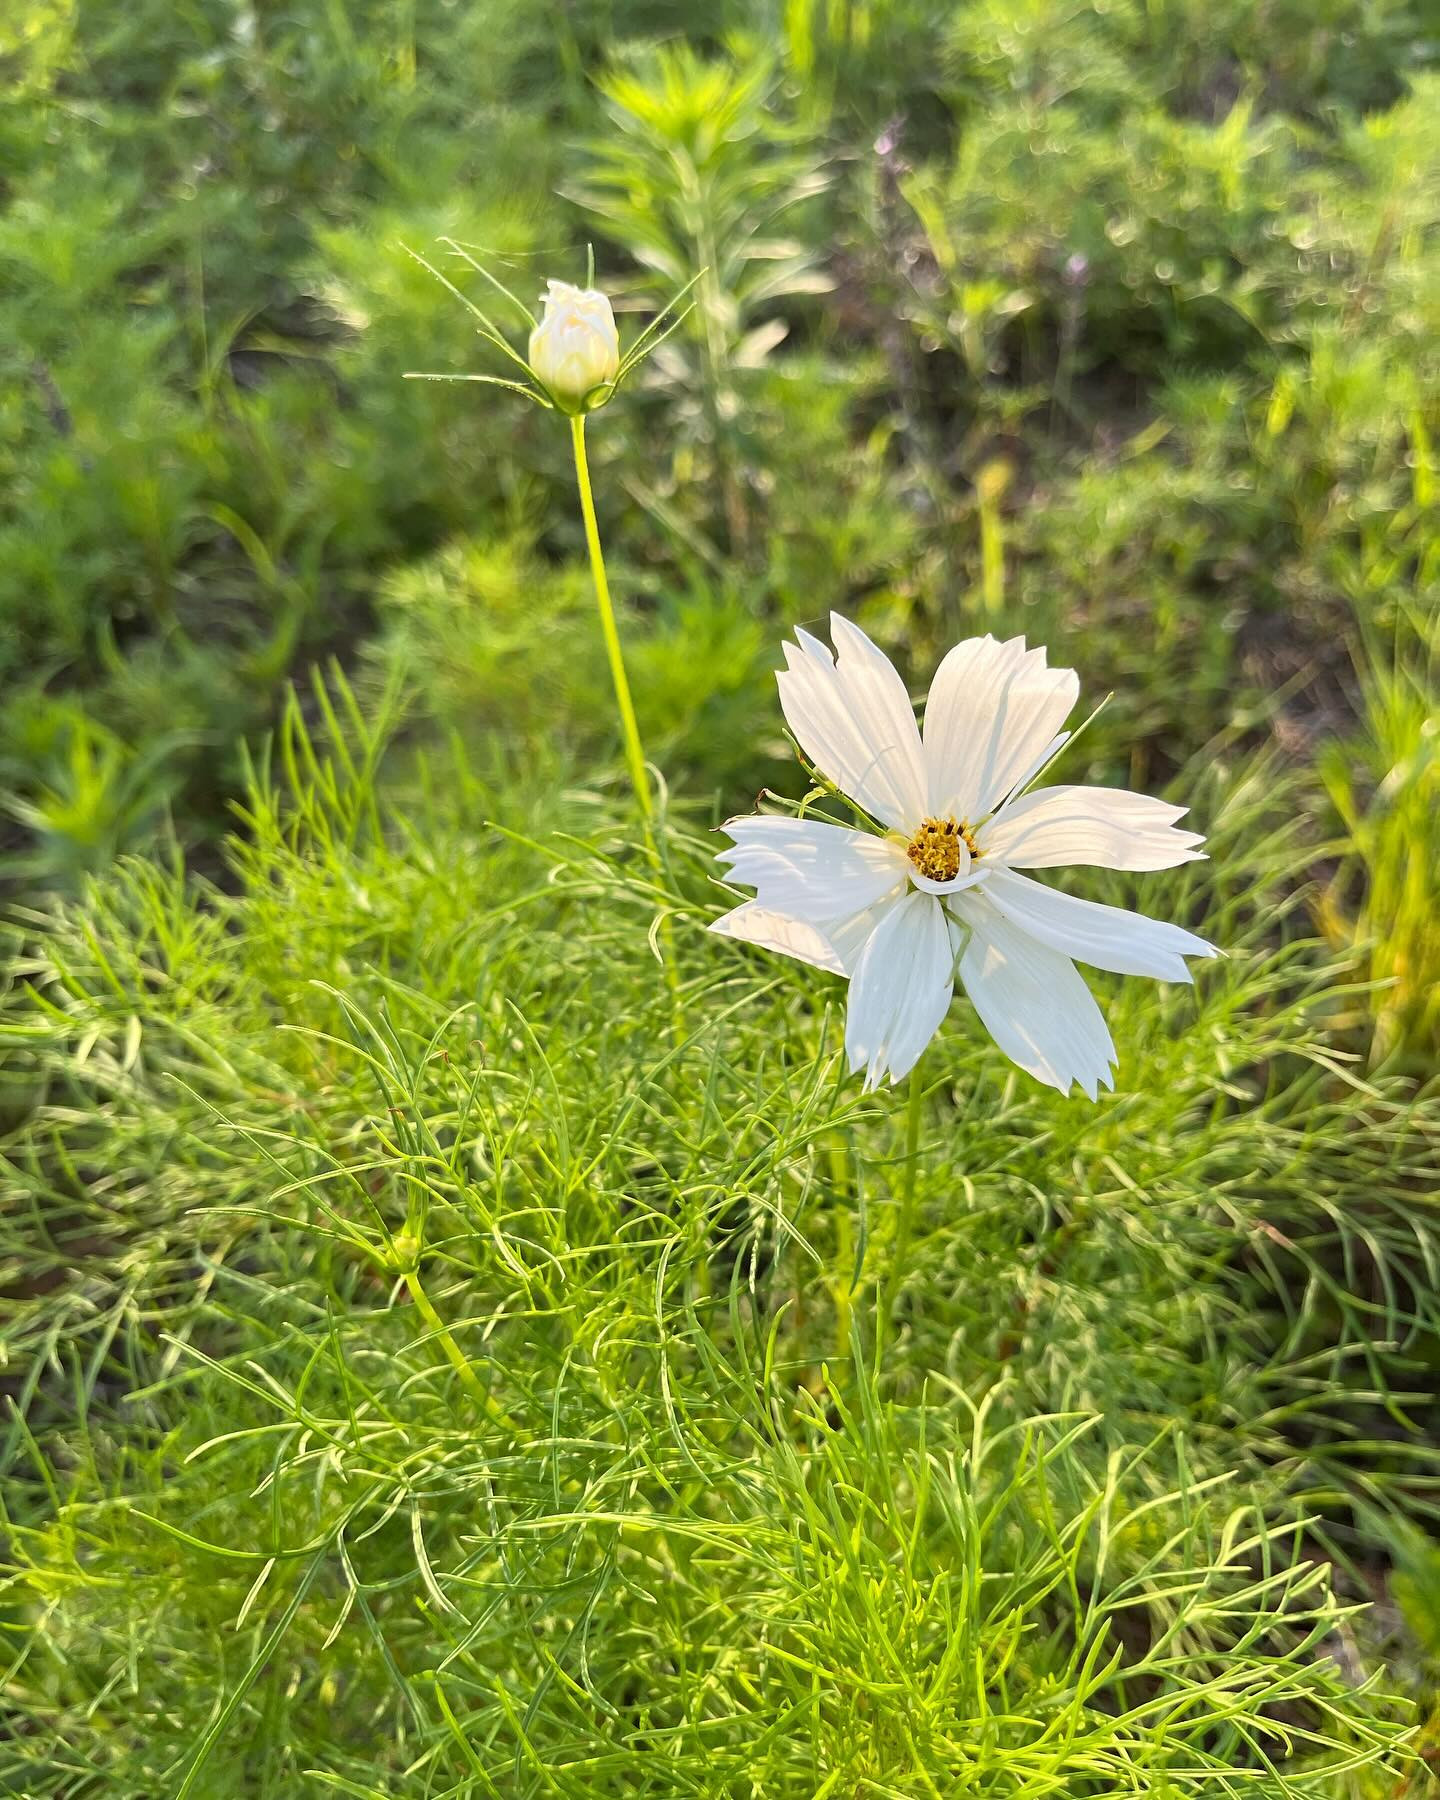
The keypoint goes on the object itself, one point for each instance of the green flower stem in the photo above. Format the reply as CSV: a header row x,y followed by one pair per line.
x,y
634,753
457,1357
842,1289
905,1226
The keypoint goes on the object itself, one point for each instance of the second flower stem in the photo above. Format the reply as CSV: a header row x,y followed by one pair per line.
x,y
630,730
905,1225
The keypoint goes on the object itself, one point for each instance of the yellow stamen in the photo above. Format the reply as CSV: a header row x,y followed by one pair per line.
x,y
935,848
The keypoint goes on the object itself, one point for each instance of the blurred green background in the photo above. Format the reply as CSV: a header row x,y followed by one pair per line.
x,y
1115,324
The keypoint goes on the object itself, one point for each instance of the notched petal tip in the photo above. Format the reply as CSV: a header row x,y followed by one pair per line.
x,y
812,647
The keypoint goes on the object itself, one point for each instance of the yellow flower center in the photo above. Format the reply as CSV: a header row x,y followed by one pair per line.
x,y
934,851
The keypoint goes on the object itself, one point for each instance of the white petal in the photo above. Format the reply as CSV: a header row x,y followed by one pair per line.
x,y
1106,937
1017,777
1034,1003
837,947
959,715
809,870
901,989
850,936
1107,827
990,723
852,717
753,924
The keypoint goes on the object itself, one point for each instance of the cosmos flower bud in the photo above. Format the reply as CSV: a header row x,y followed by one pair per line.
x,y
575,348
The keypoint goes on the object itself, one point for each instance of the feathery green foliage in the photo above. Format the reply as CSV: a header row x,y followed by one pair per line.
x,y
444,1356
617,1498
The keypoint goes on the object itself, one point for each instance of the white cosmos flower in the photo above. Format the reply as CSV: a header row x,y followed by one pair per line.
x,y
940,895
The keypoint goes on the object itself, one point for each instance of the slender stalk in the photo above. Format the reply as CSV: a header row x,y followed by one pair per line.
x,y
630,730
634,753
993,480
844,1292
713,345
457,1357
905,1225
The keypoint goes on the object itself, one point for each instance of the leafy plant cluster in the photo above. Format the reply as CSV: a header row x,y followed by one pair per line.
x,y
447,1357
207,447
412,1098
